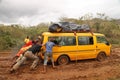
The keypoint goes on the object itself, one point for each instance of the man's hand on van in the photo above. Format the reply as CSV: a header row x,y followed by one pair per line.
x,y
58,45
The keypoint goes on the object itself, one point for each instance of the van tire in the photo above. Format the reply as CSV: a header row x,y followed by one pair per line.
x,y
63,60
101,56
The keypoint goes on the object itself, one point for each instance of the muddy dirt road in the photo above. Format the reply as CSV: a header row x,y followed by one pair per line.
x,y
82,70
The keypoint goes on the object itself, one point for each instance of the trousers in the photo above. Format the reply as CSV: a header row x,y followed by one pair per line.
x,y
30,55
46,56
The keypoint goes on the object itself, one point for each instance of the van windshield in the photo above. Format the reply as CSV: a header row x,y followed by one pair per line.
x,y
102,39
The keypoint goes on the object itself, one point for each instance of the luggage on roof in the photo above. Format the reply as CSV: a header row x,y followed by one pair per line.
x,y
68,27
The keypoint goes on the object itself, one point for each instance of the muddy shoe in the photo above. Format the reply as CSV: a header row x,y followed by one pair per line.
x,y
44,72
31,69
12,71
13,64
44,69
54,67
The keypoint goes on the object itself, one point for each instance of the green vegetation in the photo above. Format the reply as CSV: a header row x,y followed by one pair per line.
x,y
13,35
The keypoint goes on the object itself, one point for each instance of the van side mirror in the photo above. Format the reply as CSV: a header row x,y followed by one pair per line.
x,y
107,43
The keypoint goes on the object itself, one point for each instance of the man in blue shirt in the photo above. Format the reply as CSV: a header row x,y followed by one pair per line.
x,y
48,54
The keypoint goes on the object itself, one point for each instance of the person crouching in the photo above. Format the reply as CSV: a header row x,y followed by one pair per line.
x,y
31,54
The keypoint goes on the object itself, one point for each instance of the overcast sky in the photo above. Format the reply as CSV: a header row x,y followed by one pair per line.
x,y
33,12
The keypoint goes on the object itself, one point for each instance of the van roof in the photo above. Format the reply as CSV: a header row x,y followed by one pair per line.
x,y
71,34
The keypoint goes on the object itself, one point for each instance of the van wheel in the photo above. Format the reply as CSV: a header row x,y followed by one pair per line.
x,y
63,60
101,56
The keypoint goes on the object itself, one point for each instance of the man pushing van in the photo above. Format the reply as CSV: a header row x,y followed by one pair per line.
x,y
31,54
48,54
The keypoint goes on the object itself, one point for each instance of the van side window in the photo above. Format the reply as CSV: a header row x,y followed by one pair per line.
x,y
101,39
70,40
85,40
65,40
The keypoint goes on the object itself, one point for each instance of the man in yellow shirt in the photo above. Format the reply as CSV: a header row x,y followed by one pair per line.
x,y
27,39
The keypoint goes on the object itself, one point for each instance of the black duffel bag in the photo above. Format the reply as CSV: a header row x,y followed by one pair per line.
x,y
68,27
55,28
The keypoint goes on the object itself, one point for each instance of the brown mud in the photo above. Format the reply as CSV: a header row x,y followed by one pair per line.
x,y
80,70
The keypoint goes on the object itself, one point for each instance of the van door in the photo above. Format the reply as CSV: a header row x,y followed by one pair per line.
x,y
86,47
67,46
103,45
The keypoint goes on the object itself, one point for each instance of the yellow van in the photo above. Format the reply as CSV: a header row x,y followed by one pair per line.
x,y
78,46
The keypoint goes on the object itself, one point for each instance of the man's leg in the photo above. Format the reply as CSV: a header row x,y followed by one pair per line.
x,y
35,62
13,61
51,58
16,59
17,65
34,57
45,63
19,58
